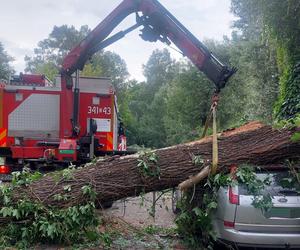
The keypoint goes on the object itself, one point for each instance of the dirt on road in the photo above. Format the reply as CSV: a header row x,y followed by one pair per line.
x,y
138,211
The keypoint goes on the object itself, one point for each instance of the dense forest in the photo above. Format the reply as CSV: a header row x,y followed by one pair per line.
x,y
171,105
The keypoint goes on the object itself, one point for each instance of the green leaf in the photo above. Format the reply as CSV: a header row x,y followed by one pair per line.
x,y
198,211
57,197
213,235
51,230
6,200
212,205
92,235
197,160
6,211
295,137
67,188
16,213
297,121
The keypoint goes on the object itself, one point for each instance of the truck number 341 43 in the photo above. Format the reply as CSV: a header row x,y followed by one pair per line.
x,y
95,110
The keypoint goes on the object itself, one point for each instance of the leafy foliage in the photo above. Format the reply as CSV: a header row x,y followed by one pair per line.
x,y
247,177
289,105
277,23
31,222
197,160
187,104
174,109
146,101
292,181
5,68
108,64
147,164
295,137
49,54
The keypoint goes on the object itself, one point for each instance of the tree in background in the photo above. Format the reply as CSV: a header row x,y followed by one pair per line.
x,y
147,99
5,68
282,23
234,97
172,105
49,54
254,89
243,99
256,58
278,23
187,103
108,64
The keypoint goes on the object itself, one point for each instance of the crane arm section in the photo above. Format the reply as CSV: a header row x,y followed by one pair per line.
x,y
158,25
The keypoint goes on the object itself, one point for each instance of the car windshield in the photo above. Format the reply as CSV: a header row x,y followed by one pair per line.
x,y
281,183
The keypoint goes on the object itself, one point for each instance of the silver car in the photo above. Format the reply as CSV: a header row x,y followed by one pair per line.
x,y
239,223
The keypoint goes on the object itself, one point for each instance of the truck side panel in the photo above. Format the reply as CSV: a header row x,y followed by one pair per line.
x,y
37,117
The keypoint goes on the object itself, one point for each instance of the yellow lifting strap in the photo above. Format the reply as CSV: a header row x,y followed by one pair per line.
x,y
215,155
192,181
213,115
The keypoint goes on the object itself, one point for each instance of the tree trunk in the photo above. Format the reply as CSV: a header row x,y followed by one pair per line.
x,y
119,177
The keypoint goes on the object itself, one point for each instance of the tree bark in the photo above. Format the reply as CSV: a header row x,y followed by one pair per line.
x,y
115,178
194,180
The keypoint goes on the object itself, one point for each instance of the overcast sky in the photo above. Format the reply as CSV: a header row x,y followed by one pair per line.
x,y
24,23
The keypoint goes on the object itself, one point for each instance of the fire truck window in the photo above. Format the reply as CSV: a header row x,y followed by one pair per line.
x,y
19,97
96,100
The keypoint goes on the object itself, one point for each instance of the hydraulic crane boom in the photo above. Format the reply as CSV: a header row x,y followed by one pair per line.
x,y
158,24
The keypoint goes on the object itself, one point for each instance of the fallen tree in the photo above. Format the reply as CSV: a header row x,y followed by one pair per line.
x,y
115,177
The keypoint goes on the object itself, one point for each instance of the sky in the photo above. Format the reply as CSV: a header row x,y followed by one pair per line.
x,y
24,23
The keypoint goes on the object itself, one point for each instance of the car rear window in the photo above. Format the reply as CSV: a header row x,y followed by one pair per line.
x,y
281,183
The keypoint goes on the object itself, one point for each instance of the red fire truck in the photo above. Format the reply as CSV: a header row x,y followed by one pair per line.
x,y
31,111
44,124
